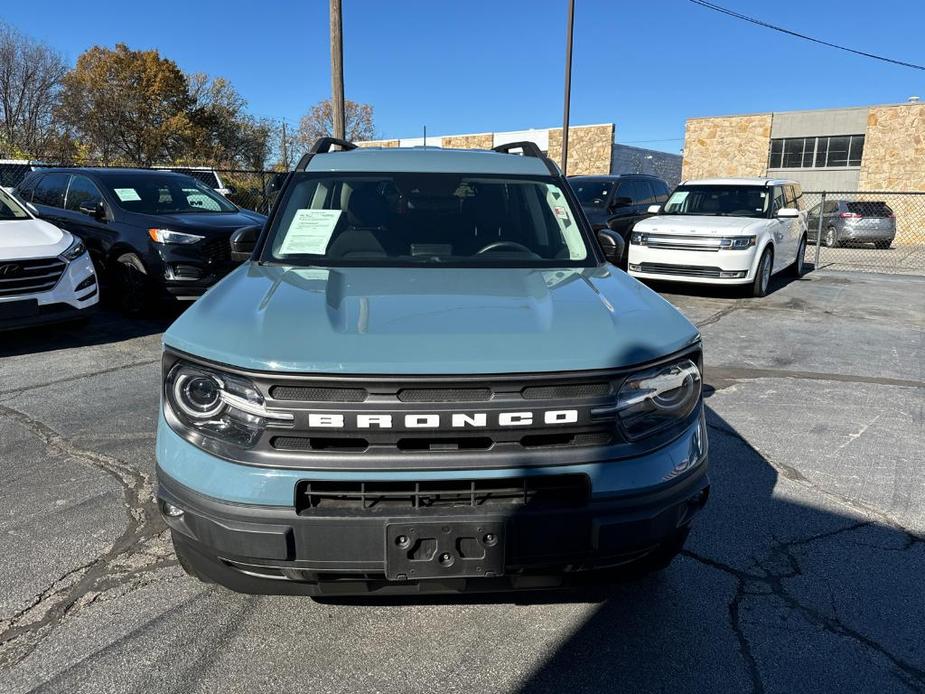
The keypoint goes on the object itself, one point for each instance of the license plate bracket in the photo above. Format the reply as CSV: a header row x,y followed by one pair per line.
x,y
10,310
452,549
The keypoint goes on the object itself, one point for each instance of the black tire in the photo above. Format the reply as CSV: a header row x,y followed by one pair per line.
x,y
131,284
759,286
185,562
831,238
798,268
883,245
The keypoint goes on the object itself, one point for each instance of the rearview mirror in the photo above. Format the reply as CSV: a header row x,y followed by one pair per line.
x,y
243,242
788,212
612,244
654,209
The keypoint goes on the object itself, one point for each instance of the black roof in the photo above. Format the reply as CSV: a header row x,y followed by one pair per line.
x,y
104,171
613,177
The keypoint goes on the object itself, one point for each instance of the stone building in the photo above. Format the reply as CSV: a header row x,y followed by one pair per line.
x,y
867,148
591,148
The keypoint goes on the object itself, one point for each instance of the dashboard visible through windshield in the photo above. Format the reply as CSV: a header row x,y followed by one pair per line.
x,y
719,201
401,219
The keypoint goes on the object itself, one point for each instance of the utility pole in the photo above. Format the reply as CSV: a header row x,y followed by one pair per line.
x,y
568,84
337,69
285,148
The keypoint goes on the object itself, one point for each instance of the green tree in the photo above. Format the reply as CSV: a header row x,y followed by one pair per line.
x,y
125,105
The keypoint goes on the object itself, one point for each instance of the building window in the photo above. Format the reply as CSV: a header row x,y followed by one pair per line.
x,y
835,151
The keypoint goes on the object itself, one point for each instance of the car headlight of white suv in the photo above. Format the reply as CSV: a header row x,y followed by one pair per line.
x,y
74,251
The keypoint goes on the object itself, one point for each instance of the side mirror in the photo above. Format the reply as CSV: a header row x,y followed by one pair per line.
x,y
618,202
243,242
654,209
612,244
93,209
788,212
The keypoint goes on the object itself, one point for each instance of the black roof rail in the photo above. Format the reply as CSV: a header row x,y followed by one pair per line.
x,y
529,149
323,146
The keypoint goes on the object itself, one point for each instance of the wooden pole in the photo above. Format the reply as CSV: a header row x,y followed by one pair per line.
x,y
568,85
337,69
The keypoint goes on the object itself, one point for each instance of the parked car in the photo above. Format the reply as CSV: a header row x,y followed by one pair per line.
x,y
723,231
618,202
428,378
851,222
152,234
46,274
203,174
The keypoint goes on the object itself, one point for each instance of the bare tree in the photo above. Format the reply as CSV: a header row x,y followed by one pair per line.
x,y
319,122
30,83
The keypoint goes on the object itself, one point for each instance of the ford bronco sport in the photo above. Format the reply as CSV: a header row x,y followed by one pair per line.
x,y
426,377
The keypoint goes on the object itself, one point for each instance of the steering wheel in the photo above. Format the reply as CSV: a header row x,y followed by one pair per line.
x,y
511,245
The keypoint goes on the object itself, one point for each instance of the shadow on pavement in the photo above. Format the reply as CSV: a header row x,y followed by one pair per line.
x,y
105,326
771,594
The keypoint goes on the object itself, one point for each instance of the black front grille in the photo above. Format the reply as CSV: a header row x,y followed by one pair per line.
x,y
217,251
444,394
681,270
577,390
318,394
529,491
30,276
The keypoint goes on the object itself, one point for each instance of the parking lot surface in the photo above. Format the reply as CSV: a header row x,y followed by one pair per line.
x,y
805,572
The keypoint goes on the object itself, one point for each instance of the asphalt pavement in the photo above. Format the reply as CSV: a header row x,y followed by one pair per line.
x,y
805,573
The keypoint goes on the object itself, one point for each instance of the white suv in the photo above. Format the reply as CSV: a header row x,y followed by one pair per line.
x,y
46,275
723,231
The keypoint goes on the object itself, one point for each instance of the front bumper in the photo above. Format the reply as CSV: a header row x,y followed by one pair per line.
x,y
634,506
187,272
702,267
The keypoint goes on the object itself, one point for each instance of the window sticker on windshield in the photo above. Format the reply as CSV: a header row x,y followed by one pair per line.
x,y
127,194
561,212
310,232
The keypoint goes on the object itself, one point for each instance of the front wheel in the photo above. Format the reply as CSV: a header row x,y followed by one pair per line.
x,y
131,284
831,238
759,286
799,265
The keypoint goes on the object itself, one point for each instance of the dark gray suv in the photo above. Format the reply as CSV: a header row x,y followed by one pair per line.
x,y
852,221
618,202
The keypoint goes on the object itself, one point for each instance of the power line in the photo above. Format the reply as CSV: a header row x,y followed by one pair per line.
x,y
745,18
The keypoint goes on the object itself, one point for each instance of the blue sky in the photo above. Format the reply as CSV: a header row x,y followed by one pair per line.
x,y
477,66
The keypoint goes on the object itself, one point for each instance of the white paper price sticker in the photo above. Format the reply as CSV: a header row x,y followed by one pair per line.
x,y
310,232
127,194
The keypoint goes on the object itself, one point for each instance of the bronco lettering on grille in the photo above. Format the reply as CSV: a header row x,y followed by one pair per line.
x,y
430,420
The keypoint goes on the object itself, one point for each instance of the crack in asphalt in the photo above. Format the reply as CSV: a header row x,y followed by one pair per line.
x,y
141,549
771,582
70,379
724,376
722,313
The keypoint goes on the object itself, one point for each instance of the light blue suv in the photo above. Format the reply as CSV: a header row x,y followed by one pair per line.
x,y
428,378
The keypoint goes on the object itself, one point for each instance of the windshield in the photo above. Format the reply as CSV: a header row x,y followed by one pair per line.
x,y
591,192
718,201
398,219
164,194
9,208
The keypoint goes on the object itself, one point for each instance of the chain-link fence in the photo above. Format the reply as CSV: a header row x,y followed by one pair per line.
x,y
252,190
866,231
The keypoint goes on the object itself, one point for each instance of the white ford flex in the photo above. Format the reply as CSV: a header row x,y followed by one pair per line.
x,y
723,231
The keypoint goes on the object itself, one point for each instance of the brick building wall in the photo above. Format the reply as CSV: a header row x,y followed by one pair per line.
x,y
478,141
590,148
894,149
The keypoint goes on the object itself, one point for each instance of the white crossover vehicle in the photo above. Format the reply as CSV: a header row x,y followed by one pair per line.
x,y
46,275
723,231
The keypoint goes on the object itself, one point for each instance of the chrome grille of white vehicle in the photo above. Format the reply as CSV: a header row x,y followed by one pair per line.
x,y
683,243
29,276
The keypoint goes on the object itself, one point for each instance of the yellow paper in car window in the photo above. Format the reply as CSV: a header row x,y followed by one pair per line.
x,y
127,194
310,232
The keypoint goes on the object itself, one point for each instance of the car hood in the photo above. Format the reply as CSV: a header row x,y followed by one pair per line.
x,y
21,239
429,321
690,224
201,222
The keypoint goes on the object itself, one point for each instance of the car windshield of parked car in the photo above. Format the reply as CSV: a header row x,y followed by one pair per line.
x,y
165,194
718,201
9,208
591,192
399,219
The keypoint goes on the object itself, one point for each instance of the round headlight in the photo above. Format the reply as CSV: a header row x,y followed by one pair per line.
x,y
199,396
655,399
